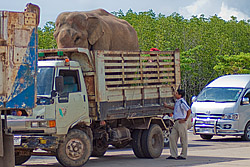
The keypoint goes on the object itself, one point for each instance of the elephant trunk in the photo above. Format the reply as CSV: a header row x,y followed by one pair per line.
x,y
68,38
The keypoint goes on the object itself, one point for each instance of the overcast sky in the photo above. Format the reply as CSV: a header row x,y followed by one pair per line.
x,y
51,8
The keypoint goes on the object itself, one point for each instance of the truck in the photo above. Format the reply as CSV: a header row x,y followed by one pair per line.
x,y
18,66
222,108
88,100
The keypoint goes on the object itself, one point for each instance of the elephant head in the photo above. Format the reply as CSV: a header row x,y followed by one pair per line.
x,y
77,29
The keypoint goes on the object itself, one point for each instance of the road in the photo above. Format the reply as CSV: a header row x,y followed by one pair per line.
x,y
218,152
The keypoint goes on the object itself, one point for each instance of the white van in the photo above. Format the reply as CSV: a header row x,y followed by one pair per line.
x,y
222,108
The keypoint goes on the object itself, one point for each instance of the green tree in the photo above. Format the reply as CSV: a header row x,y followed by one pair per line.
x,y
46,39
233,64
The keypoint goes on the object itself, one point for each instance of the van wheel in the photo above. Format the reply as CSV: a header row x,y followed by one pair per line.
x,y
206,137
19,160
75,150
152,141
246,135
136,143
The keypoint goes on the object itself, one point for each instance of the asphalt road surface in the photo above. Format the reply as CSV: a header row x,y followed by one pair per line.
x,y
217,152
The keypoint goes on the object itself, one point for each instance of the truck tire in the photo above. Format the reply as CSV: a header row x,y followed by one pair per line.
x,y
152,141
19,160
75,150
136,143
206,137
246,135
100,146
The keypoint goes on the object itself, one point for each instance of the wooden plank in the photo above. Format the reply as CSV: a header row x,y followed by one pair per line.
x,y
113,82
125,76
160,58
113,58
138,75
120,70
138,69
166,63
166,92
132,58
114,92
150,90
151,96
115,98
133,94
177,68
140,81
120,64
140,87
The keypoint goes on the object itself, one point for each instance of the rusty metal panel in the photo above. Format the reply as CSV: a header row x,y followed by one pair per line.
x,y
1,140
18,59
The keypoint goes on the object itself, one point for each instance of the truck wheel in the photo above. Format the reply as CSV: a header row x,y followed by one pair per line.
x,y
75,150
152,141
246,135
100,146
19,160
136,143
206,137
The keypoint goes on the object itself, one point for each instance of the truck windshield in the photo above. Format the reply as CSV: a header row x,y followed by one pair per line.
x,y
45,80
219,95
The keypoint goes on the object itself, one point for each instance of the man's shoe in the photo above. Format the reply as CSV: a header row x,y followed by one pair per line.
x,y
180,158
170,157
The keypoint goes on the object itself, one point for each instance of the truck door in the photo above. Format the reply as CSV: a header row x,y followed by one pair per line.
x,y
244,111
71,104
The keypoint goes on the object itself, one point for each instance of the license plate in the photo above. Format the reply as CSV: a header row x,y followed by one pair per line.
x,y
208,130
17,140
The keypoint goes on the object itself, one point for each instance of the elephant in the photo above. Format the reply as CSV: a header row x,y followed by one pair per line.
x,y
95,30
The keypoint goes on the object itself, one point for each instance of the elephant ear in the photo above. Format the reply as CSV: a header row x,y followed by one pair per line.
x,y
95,30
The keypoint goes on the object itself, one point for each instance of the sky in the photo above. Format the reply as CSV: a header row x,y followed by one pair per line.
x,y
50,9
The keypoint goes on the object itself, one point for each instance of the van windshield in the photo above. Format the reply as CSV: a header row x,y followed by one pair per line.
x,y
219,95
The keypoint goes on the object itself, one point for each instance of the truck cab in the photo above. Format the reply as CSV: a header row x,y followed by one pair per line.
x,y
222,108
50,115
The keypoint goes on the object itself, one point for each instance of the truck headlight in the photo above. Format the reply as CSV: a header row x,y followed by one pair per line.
x,y
231,116
37,124
34,124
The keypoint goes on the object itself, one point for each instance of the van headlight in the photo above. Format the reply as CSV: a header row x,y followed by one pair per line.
x,y
231,116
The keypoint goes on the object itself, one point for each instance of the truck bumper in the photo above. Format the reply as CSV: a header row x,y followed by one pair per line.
x,y
35,142
216,127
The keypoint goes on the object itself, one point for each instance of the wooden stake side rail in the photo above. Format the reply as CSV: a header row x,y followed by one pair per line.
x,y
141,76
139,69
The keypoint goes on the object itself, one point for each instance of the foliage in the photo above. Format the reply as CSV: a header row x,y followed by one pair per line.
x,y
233,64
46,39
210,47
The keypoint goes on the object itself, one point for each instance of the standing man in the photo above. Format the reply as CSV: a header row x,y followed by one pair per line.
x,y
181,114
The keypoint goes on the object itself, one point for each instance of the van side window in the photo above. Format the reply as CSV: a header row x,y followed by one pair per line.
x,y
71,80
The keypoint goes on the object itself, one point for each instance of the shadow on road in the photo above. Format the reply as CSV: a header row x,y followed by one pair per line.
x,y
131,160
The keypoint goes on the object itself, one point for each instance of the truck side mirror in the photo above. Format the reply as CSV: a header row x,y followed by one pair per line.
x,y
59,84
245,101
